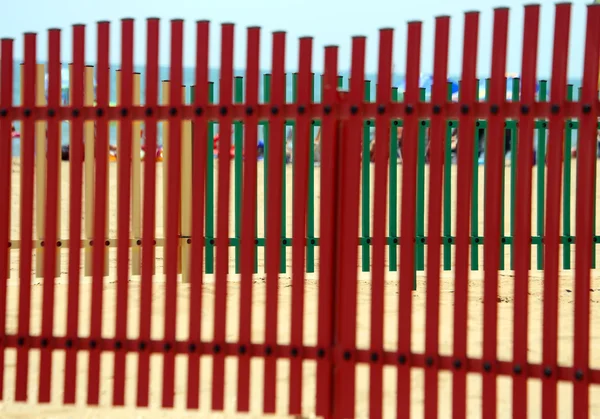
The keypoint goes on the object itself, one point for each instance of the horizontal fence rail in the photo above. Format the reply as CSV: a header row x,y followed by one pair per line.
x,y
246,206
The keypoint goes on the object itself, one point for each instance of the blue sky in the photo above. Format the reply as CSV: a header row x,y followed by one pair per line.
x,y
328,21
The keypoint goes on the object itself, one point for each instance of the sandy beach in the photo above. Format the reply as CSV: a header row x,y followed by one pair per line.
x,y
11,409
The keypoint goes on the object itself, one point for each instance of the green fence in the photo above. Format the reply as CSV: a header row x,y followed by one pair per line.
x,y
364,239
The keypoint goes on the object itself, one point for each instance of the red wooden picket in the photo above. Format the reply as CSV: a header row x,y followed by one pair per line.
x,y
100,184
27,167
464,176
407,217
173,207
494,174
225,97
436,180
342,116
6,101
382,152
328,245
552,230
523,219
299,219
124,206
77,99
249,217
50,235
149,216
198,174
586,175
273,227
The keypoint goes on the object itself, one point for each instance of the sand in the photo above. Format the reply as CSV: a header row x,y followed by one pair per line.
x,y
11,409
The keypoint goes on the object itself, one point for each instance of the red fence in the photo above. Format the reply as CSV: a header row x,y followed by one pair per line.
x,y
336,297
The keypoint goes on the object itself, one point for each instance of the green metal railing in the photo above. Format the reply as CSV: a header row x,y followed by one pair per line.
x,y
364,240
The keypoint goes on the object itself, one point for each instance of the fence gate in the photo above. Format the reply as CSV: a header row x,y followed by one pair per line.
x,y
111,325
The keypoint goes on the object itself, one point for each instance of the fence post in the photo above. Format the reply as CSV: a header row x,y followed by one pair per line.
x,y
447,194
343,307
136,183
366,188
420,208
310,221
475,192
210,190
185,211
337,238
89,139
566,225
238,160
540,158
393,193
40,171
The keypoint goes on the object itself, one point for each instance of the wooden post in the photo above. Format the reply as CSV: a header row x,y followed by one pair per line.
x,y
136,179
107,151
40,170
112,158
59,186
117,124
186,195
165,138
89,164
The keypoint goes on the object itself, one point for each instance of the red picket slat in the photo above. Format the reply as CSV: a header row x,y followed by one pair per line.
x,y
407,217
50,234
222,268
6,101
328,243
249,216
101,180
586,176
347,254
463,200
552,238
173,208
123,209
522,246
273,233
382,152
149,215
434,224
26,209
303,127
198,175
493,191
74,200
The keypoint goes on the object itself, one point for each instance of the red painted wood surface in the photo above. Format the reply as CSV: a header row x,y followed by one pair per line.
x,y
149,213
522,246
437,149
